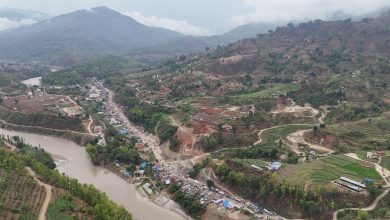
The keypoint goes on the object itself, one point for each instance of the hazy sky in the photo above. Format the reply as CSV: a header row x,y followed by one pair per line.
x,y
199,17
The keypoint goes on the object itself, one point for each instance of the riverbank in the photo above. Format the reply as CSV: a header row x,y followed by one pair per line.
x,y
79,138
76,163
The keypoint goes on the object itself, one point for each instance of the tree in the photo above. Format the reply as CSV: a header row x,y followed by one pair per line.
x,y
131,168
210,183
363,215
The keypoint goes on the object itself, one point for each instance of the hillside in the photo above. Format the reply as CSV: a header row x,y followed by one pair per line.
x,y
78,36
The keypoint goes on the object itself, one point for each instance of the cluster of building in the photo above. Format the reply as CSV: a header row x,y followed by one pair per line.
x,y
270,166
224,201
375,155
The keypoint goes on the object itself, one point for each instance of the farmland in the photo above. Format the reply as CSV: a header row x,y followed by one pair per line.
x,y
386,162
273,91
361,135
40,103
20,196
66,207
280,132
321,172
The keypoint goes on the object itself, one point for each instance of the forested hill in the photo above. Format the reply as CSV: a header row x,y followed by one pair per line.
x,y
78,36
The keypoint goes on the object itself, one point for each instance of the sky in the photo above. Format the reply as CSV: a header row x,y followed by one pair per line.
x,y
206,17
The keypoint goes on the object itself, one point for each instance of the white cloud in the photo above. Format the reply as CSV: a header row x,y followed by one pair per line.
x,y
175,25
6,23
289,10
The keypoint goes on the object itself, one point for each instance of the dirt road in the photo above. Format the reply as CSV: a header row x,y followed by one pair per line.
x,y
48,188
298,137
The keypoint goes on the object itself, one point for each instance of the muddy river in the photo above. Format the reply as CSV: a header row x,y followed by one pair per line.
x,y
73,160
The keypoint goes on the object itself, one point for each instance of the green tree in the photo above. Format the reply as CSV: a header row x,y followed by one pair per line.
x,y
363,215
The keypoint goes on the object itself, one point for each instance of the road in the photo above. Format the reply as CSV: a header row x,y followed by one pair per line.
x,y
48,188
152,142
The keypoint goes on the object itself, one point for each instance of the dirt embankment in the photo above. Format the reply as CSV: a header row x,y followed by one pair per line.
x,y
79,138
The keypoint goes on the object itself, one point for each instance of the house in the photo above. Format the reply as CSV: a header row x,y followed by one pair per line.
x,y
256,167
227,127
123,131
98,129
380,153
143,165
283,157
372,155
276,165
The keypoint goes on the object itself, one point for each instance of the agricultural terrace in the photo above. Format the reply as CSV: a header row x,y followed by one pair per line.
x,y
280,132
362,134
386,162
273,91
322,171
66,207
44,104
20,196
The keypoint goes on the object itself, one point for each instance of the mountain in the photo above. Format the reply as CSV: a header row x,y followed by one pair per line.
x,y
192,44
20,14
247,31
13,18
79,36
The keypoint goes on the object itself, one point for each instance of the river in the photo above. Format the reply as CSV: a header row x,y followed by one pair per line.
x,y
32,81
73,160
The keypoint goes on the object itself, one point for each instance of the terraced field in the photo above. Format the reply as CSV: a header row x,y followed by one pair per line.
x,y
276,133
20,196
322,171
362,134
273,91
386,162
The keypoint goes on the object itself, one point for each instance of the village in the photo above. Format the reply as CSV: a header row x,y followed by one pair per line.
x,y
167,172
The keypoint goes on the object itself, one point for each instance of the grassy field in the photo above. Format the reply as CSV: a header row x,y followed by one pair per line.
x,y
386,162
273,91
256,162
330,168
274,134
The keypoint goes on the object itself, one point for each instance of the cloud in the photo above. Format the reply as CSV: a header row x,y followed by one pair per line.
x,y
175,25
281,11
6,23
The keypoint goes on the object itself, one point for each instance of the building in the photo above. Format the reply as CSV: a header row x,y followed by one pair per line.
x,y
276,165
256,167
353,182
380,153
372,155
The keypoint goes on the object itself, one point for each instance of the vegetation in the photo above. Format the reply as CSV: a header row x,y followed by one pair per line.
x,y
63,207
34,152
386,162
118,148
41,120
191,205
103,208
267,189
20,196
330,168
271,91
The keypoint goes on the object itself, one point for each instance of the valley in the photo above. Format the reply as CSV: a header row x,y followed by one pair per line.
x,y
291,123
